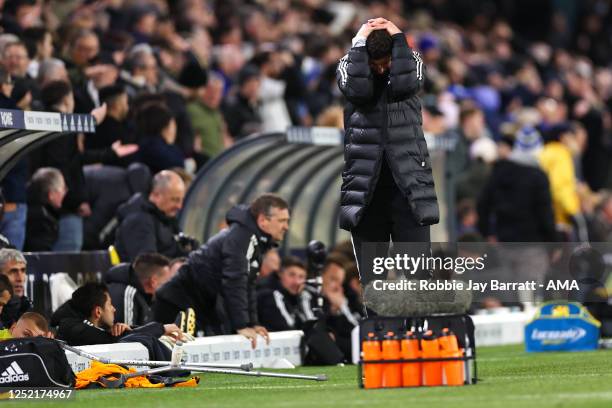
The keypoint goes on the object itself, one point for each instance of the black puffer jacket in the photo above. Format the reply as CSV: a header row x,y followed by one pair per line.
x,y
144,228
128,296
226,266
383,119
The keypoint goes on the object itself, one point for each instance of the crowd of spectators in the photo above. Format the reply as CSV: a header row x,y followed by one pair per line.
x,y
517,97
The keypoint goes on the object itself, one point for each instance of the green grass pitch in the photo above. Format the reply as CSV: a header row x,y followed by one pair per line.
x,y
509,377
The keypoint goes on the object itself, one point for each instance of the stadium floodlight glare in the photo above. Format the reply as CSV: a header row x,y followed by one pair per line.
x,y
213,368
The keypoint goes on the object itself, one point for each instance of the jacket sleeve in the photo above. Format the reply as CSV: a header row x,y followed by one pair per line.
x,y
136,235
104,156
562,178
544,210
354,76
253,316
153,329
407,70
271,317
484,207
235,277
78,333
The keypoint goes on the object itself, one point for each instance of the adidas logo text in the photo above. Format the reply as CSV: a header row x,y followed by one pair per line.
x,y
13,373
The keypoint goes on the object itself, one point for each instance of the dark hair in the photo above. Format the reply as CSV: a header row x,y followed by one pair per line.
x,y
153,118
148,264
81,33
265,202
290,261
111,93
261,58
193,75
247,72
336,258
352,272
379,44
32,37
5,284
88,296
38,320
54,92
468,112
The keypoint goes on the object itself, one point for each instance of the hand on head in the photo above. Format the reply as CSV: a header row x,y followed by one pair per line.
x,y
378,24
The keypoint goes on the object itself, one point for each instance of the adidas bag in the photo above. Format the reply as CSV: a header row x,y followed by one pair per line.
x,y
34,362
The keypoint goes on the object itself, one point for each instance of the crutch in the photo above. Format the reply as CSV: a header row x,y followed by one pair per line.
x,y
199,369
164,366
152,363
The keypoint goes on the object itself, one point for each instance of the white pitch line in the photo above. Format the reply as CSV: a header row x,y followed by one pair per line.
x,y
275,387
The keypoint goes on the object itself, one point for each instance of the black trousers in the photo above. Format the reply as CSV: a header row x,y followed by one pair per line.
x,y
207,316
388,218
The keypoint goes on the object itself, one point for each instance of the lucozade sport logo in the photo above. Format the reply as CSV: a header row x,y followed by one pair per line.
x,y
13,373
571,335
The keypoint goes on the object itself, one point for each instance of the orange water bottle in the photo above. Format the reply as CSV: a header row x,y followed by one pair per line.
x,y
392,372
449,347
411,372
371,352
432,371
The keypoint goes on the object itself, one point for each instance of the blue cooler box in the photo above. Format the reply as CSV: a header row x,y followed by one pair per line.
x,y
562,326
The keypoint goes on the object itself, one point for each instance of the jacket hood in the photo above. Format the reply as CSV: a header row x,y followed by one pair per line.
x,y
240,214
118,274
65,311
138,202
138,178
124,274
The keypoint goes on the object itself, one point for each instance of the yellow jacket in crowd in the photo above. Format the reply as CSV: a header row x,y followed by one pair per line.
x,y
556,161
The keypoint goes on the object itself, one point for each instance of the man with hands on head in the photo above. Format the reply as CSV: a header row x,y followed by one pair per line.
x,y
387,192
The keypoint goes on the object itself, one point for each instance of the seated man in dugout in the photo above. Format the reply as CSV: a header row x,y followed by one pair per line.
x,y
88,318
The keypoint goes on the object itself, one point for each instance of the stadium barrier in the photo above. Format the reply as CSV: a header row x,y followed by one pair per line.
x,y
232,349
501,328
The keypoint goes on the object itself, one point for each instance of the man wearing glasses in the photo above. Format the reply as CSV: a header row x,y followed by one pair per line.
x,y
218,280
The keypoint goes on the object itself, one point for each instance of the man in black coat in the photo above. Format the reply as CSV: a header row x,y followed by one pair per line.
x,y
132,286
218,280
516,205
388,188
88,318
241,109
283,303
114,130
46,192
150,225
